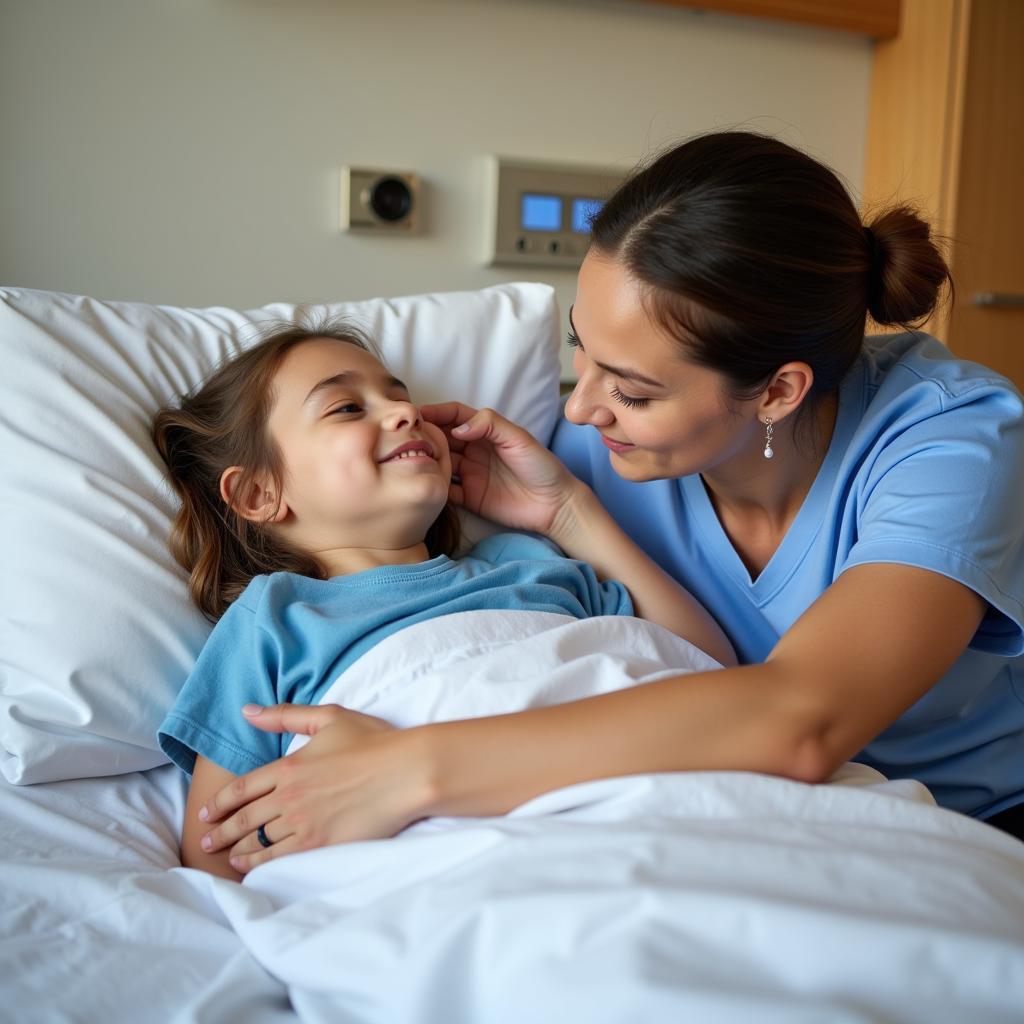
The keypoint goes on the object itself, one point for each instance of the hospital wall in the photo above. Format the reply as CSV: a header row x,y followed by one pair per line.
x,y
188,152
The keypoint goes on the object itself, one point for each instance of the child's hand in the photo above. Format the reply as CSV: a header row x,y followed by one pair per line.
x,y
501,471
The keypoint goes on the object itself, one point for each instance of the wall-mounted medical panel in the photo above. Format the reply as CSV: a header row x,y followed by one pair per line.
x,y
538,214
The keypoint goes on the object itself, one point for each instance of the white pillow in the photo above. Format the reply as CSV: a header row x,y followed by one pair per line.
x,y
97,630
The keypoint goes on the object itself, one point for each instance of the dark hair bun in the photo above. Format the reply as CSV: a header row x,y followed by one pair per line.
x,y
907,270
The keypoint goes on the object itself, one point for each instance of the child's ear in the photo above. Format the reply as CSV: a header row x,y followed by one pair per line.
x,y
254,499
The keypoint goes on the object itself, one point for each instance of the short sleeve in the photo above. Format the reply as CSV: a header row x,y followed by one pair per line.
x,y
238,665
945,492
606,597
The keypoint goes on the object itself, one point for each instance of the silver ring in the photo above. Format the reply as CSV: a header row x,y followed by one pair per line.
x,y
261,835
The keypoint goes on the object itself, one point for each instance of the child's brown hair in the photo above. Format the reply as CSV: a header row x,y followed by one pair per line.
x,y
224,423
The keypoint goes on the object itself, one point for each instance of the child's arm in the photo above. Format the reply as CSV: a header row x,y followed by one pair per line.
x,y
208,778
506,475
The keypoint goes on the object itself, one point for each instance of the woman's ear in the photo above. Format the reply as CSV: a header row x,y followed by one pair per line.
x,y
251,497
787,390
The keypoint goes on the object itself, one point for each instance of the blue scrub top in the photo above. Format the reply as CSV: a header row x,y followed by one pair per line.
x,y
925,468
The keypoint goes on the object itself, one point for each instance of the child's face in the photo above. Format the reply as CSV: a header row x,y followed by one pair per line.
x,y
361,469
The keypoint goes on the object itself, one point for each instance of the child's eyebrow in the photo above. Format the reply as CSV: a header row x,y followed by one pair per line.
x,y
349,377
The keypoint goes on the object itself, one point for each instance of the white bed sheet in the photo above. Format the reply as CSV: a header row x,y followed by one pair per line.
x,y
705,897
98,921
708,898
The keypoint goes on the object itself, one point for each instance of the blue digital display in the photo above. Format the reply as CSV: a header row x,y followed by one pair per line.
x,y
540,212
583,212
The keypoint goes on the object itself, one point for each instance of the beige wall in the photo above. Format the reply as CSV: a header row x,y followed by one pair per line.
x,y
187,151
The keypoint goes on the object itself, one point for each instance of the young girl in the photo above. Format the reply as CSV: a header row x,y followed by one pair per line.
x,y
315,522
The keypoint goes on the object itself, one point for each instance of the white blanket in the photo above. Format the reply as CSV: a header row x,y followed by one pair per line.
x,y
674,897
703,897
492,662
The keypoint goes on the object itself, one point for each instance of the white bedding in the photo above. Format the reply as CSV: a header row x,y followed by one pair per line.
x,y
703,897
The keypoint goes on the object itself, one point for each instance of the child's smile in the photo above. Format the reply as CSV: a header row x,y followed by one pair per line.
x,y
411,451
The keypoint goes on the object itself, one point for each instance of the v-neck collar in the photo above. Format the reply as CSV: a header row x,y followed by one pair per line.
x,y
807,522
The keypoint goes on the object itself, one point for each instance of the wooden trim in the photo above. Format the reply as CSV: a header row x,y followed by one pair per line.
x,y
879,19
955,101
916,118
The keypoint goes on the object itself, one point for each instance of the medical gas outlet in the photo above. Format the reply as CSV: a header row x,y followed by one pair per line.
x,y
379,201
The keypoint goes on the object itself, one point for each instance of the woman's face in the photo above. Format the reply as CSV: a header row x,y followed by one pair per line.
x,y
658,414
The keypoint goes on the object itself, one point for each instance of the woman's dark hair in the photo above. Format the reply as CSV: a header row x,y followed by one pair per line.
x,y
224,423
753,255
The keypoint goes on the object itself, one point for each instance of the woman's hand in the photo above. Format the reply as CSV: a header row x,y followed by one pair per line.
x,y
501,471
357,778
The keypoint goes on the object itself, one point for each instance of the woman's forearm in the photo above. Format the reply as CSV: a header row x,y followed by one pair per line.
x,y
823,693
586,531
738,719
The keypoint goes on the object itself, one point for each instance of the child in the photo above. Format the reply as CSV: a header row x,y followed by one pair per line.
x,y
315,522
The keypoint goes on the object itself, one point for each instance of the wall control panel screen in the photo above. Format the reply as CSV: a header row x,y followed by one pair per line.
x,y
540,214
583,212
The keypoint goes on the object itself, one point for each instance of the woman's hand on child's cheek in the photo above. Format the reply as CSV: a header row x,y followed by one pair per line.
x,y
448,416
503,472
354,780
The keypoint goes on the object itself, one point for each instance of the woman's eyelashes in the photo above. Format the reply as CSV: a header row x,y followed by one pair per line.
x,y
573,341
628,400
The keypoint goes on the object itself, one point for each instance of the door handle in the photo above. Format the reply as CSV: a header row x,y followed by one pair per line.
x,y
1006,300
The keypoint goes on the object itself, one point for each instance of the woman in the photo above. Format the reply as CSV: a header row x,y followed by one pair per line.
x,y
849,511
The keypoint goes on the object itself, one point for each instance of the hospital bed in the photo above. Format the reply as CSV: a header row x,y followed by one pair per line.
x,y
706,896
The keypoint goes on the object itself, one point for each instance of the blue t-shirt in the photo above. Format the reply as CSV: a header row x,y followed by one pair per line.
x,y
925,468
288,637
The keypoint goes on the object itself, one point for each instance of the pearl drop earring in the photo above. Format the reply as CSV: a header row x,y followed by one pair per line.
x,y
768,450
